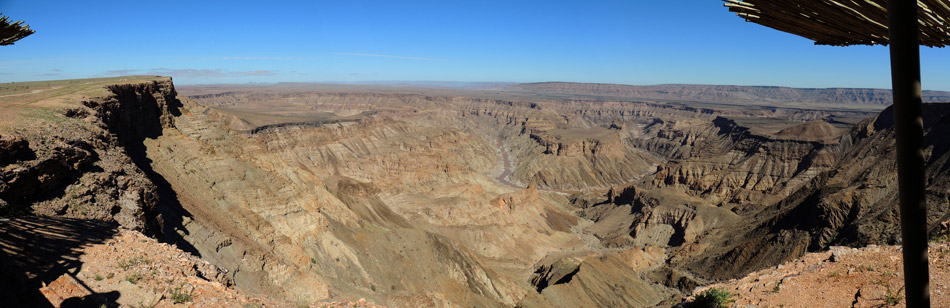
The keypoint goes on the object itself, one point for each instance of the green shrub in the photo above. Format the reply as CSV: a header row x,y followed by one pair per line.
x,y
133,278
892,298
179,296
712,298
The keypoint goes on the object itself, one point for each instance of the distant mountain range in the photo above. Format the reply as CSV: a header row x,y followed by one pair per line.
x,y
723,94
726,94
462,85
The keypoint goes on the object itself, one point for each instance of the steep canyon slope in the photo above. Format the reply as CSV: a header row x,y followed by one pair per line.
x,y
434,197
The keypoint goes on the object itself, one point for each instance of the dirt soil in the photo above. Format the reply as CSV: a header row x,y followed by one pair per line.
x,y
840,277
132,270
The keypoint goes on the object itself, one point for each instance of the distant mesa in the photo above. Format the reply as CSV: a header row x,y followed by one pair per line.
x,y
727,94
811,131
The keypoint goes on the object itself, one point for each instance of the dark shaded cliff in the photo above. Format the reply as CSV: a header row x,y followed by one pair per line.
x,y
854,203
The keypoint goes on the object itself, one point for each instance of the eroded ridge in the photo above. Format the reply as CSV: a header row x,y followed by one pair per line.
x,y
427,198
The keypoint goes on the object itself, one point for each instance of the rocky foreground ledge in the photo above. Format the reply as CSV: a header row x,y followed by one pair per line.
x,y
132,270
872,276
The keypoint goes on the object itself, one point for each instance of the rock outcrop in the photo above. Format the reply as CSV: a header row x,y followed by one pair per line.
x,y
577,159
726,164
83,164
608,280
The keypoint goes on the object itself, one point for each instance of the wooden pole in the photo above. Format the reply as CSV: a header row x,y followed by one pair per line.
x,y
908,123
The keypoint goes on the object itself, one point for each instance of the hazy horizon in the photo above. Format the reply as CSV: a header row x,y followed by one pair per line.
x,y
460,84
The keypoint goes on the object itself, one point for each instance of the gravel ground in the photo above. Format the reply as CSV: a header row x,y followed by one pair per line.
x,y
840,277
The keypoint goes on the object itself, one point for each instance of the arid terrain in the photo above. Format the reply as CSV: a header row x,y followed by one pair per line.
x,y
871,276
526,195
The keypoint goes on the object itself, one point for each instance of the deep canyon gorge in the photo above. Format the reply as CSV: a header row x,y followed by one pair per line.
x,y
534,195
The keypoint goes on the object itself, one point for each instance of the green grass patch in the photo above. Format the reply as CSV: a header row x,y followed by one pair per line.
x,y
712,298
892,298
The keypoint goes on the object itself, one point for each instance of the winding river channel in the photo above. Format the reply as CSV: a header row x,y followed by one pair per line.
x,y
503,178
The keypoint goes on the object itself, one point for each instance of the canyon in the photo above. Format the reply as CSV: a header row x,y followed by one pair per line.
x,y
525,195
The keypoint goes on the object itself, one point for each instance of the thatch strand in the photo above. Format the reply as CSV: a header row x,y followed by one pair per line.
x,y
843,22
12,32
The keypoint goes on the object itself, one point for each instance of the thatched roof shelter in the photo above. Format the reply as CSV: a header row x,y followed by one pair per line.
x,y
843,22
904,25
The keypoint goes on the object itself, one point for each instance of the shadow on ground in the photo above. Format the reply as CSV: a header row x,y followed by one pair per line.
x,y
36,250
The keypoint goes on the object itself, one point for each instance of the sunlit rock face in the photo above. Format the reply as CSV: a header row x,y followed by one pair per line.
x,y
433,198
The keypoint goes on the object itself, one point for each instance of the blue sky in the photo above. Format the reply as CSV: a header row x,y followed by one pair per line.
x,y
628,42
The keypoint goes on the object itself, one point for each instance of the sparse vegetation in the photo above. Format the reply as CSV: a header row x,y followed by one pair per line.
x,y
712,298
133,278
893,298
129,263
941,238
97,277
180,296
